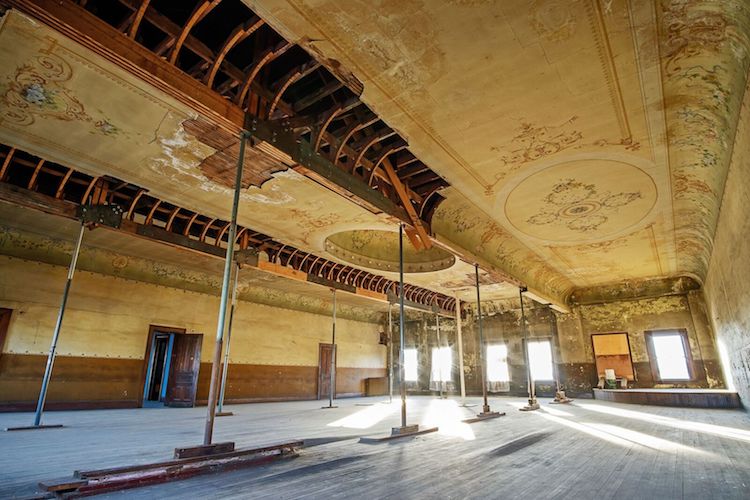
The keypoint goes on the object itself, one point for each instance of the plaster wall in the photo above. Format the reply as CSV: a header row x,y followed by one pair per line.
x,y
572,344
726,286
108,318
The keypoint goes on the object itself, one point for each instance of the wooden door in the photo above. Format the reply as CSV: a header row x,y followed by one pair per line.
x,y
324,370
183,370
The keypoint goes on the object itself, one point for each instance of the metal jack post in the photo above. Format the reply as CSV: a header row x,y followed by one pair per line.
x,y
332,381
533,404
213,392
220,410
91,216
487,413
560,397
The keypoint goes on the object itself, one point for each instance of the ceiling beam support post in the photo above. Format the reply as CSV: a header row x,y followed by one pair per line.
x,y
224,369
213,389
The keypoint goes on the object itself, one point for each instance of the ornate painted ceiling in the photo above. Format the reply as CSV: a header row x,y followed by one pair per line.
x,y
585,141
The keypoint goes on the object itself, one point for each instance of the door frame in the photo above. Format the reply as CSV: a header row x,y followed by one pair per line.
x,y
5,316
321,345
152,331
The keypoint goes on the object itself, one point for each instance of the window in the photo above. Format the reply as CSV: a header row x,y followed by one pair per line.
x,y
442,362
497,363
410,365
540,359
669,349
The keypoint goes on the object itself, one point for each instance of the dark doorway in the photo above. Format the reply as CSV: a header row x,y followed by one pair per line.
x,y
324,371
161,353
157,365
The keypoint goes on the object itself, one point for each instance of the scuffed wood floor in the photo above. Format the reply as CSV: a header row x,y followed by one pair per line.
x,y
590,449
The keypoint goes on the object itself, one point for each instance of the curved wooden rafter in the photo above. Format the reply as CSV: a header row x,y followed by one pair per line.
x,y
290,78
348,133
220,235
240,234
191,220
239,34
326,122
63,182
6,163
87,193
172,216
131,209
376,138
200,11
138,18
150,216
206,228
383,155
266,57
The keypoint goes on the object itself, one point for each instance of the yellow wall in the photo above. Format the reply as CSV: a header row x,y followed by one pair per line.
x,y
109,317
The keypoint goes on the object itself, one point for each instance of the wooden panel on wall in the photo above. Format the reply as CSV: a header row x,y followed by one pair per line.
x,y
74,379
79,382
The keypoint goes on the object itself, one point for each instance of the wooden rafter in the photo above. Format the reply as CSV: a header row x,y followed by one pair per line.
x,y
63,182
200,11
138,17
407,203
287,80
239,34
131,209
35,174
371,141
266,57
6,162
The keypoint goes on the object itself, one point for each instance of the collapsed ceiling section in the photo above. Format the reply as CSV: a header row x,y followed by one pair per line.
x,y
33,182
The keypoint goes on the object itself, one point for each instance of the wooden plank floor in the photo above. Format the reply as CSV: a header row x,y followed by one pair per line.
x,y
591,449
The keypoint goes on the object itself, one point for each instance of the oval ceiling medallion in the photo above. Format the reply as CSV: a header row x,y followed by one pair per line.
x,y
379,250
581,201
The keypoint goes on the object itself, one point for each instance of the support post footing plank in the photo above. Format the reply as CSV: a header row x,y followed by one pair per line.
x,y
34,427
224,414
204,450
530,407
484,416
400,432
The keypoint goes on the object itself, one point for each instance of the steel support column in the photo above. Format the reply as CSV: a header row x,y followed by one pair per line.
x,y
58,326
390,352
440,347
482,367
401,368
333,355
460,341
533,404
225,368
213,389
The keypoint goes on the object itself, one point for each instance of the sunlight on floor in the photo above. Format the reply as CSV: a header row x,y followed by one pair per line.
x,y
716,430
364,419
612,433
447,415
556,412
655,443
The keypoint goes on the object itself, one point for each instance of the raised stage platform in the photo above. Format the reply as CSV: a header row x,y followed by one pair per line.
x,y
687,398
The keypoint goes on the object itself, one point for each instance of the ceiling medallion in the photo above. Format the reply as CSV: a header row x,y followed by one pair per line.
x,y
579,206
